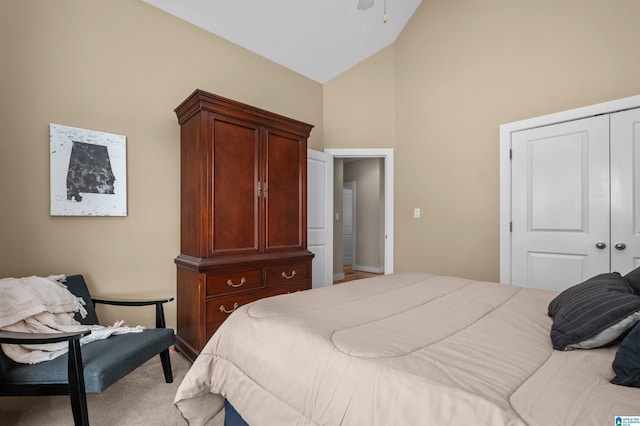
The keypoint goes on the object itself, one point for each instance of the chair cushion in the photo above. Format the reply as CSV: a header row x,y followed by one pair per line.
x,y
105,361
6,363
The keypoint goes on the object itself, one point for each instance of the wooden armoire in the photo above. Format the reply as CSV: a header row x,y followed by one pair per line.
x,y
243,212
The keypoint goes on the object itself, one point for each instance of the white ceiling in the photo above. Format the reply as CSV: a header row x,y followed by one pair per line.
x,y
316,38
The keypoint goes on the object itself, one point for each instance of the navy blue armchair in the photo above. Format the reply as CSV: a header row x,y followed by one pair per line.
x,y
92,367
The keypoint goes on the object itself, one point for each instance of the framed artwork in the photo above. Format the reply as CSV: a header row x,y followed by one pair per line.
x,y
88,172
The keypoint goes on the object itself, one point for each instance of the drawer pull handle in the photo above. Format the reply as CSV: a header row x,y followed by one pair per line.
x,y
288,277
222,308
231,284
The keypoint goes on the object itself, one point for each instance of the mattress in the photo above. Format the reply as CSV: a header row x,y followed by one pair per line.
x,y
406,348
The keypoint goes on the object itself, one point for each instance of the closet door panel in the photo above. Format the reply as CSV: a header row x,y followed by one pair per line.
x,y
560,203
625,190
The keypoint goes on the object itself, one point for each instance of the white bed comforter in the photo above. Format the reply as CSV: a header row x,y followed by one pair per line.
x,y
403,349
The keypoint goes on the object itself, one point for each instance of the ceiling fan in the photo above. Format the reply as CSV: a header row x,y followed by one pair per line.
x,y
365,4
368,4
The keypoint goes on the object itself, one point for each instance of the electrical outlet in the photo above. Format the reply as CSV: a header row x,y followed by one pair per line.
x,y
416,212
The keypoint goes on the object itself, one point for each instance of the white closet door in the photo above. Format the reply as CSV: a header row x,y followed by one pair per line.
x,y
560,203
625,187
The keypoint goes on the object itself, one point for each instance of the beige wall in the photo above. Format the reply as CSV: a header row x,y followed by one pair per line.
x,y
359,105
437,96
118,67
460,69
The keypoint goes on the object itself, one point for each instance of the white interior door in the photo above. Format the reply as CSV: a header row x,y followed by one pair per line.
x,y
320,215
625,187
560,203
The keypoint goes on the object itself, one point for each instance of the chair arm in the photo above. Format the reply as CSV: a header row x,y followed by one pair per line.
x,y
19,338
75,368
160,322
130,302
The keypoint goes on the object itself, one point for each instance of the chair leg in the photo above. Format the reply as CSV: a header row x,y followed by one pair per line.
x,y
77,392
166,365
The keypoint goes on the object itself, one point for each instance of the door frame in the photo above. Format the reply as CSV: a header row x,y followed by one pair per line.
x,y
387,155
506,131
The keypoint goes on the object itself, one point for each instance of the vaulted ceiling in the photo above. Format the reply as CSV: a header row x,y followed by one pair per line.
x,y
316,38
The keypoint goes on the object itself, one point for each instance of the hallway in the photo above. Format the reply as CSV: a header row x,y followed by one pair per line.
x,y
351,275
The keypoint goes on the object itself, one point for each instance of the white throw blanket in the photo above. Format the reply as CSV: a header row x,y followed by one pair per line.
x,y
45,305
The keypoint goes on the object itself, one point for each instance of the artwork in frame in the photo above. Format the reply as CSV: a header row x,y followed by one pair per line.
x,y
88,172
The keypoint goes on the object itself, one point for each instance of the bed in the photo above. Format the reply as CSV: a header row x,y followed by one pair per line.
x,y
403,349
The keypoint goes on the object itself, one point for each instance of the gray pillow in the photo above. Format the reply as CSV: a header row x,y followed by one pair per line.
x,y
593,313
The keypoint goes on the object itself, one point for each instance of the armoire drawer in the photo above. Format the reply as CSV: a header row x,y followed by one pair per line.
x,y
229,282
292,288
219,309
287,274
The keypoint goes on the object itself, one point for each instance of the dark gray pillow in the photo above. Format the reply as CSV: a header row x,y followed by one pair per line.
x,y
626,364
633,278
593,313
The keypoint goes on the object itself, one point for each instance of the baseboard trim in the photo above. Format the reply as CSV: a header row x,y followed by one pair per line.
x,y
338,277
372,269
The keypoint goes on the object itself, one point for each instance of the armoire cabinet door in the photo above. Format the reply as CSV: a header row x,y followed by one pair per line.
x,y
235,195
285,192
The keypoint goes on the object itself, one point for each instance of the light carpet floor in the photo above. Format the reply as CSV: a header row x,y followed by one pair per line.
x,y
139,399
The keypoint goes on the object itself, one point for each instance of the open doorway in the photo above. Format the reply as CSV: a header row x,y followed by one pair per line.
x,y
376,210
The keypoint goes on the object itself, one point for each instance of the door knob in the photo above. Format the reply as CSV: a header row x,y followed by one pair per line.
x,y
620,246
601,245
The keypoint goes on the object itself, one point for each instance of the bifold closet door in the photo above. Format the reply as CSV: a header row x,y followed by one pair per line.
x,y
625,190
560,203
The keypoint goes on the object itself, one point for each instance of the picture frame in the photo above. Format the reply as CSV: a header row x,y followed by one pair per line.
x,y
88,172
